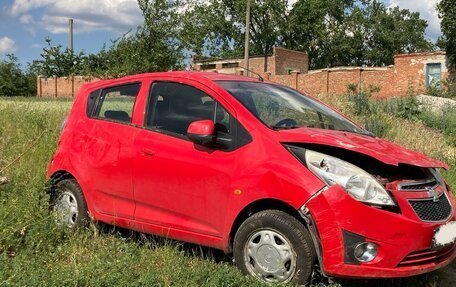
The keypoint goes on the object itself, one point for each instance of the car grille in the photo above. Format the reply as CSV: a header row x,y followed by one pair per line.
x,y
418,185
427,256
428,210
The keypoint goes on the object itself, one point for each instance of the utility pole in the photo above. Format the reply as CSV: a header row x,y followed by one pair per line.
x,y
247,37
70,47
70,24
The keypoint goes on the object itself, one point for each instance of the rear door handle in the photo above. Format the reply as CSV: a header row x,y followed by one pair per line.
x,y
147,152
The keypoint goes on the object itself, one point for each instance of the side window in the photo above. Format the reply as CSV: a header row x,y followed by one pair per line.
x,y
222,120
91,102
173,107
117,103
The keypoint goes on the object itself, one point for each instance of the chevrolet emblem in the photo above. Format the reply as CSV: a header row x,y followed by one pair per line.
x,y
433,193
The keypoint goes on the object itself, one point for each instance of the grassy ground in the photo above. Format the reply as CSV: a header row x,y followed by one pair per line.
x,y
34,251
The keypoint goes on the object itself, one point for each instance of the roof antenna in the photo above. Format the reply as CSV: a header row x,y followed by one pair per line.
x,y
260,78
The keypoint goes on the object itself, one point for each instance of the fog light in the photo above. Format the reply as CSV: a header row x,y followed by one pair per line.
x,y
366,252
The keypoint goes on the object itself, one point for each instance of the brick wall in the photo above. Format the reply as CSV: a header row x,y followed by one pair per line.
x,y
281,62
408,72
289,60
60,87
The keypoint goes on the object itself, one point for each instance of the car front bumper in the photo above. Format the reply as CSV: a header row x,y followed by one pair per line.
x,y
404,243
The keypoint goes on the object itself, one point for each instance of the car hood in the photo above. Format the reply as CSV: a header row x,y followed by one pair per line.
x,y
377,148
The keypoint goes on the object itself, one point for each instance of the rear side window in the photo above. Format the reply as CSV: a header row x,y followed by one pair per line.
x,y
117,103
173,107
92,101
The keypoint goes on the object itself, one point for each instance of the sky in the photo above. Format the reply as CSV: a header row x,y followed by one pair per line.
x,y
24,24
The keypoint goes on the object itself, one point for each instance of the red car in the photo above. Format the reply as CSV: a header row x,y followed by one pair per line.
x,y
256,169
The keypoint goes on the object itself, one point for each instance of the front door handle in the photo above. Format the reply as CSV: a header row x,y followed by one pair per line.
x,y
147,152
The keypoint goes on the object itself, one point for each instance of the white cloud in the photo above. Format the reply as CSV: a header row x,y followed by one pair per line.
x,y
88,15
23,6
427,12
29,23
7,45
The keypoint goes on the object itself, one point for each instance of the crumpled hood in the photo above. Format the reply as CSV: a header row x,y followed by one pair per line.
x,y
377,148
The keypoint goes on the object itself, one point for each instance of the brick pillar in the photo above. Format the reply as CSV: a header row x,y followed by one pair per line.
x,y
55,90
296,75
72,86
327,82
39,88
361,80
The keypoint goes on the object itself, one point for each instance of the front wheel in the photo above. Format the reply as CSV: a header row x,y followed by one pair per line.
x,y
274,247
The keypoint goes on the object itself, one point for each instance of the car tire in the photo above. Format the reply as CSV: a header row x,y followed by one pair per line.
x,y
274,247
68,204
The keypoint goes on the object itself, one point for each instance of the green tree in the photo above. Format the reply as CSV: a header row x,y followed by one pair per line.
x,y
392,31
333,32
447,12
154,46
57,63
217,27
315,26
338,33
14,81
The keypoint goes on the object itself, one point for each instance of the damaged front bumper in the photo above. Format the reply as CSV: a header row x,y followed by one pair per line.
x,y
404,242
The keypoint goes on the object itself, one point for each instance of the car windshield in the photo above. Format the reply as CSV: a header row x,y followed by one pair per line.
x,y
281,107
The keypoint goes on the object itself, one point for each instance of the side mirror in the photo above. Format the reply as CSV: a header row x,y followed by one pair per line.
x,y
201,132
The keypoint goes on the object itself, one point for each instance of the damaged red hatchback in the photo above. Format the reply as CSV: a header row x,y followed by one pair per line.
x,y
253,168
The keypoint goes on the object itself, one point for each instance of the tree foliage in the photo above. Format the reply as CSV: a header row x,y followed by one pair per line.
x,y
57,63
447,12
153,46
333,32
14,81
217,27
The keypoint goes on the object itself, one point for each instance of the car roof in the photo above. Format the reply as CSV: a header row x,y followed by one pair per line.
x,y
199,76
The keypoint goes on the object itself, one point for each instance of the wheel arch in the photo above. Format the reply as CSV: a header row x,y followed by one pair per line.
x,y
257,206
56,177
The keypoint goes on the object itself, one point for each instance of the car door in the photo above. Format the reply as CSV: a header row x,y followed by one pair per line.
x,y
180,185
108,145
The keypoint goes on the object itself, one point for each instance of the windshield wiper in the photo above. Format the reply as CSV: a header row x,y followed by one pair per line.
x,y
284,127
364,133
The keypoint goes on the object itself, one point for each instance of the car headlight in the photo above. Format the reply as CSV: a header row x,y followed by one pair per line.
x,y
358,183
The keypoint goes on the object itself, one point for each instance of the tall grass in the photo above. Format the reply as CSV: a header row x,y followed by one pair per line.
x,y
34,251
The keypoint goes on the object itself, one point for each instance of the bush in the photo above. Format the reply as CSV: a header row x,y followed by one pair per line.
x,y
450,88
360,104
14,81
378,125
445,122
404,107
360,99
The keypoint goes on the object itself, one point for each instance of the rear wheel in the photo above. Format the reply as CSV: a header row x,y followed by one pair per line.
x,y
68,204
274,247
